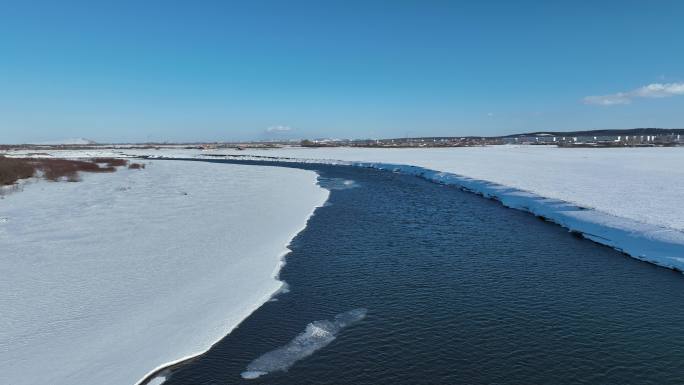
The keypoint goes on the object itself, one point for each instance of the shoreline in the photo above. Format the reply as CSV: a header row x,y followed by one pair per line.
x,y
170,366
231,256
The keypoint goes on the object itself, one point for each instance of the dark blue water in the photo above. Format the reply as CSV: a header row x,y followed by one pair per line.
x,y
458,290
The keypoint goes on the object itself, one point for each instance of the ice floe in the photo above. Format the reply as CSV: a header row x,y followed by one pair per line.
x,y
316,336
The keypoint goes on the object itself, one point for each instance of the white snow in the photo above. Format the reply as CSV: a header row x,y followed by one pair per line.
x,y
106,280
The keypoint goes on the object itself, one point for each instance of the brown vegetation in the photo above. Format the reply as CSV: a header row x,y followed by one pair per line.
x,y
136,166
54,169
14,169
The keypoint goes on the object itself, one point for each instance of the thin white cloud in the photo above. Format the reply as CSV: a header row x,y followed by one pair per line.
x,y
608,100
279,129
654,90
659,90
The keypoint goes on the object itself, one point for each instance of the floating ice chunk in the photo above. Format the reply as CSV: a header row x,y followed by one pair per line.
x,y
336,183
317,335
157,380
284,288
250,375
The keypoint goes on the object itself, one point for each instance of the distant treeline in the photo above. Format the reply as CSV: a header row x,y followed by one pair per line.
x,y
630,132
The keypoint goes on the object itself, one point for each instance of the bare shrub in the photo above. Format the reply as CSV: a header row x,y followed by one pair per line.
x,y
136,166
54,169
13,169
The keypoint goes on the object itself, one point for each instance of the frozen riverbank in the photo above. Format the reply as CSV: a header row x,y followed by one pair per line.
x,y
628,199
107,279
642,184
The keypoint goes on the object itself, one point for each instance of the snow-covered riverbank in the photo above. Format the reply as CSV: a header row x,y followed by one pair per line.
x,y
628,199
107,279
643,184
625,198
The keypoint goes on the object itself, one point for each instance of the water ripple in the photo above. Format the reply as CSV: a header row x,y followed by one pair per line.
x,y
461,291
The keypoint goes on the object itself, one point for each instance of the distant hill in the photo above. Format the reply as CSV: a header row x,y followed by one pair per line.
x,y
631,131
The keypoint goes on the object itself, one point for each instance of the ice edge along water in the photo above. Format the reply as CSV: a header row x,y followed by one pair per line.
x,y
157,375
650,243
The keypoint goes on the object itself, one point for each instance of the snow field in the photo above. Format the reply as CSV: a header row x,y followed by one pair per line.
x,y
107,279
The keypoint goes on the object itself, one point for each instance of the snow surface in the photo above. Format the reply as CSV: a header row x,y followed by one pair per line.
x,y
105,280
642,184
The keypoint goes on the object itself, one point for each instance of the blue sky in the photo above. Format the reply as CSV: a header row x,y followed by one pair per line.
x,y
122,71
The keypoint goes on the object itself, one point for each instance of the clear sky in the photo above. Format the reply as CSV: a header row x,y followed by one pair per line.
x,y
121,71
